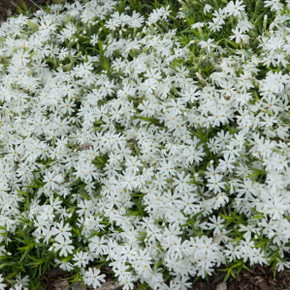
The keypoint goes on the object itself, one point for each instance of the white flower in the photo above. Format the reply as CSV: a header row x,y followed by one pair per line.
x,y
136,20
64,245
207,8
157,14
281,265
121,128
98,245
216,25
142,261
239,36
197,25
216,223
133,165
81,259
235,8
181,182
66,266
215,183
2,285
209,44
21,283
94,39
274,4
61,231
112,24
93,278
85,207
51,181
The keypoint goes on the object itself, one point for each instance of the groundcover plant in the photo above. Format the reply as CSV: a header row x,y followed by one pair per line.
x,y
152,138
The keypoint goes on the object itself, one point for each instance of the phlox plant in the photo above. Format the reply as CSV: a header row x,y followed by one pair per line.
x,y
146,137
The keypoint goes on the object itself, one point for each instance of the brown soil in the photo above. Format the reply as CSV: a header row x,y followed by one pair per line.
x,y
10,7
257,278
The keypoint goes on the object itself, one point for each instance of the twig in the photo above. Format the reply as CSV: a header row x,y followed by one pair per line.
x,y
35,4
14,4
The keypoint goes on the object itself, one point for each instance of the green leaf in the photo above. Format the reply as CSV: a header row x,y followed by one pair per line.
x,y
75,278
82,193
32,25
263,243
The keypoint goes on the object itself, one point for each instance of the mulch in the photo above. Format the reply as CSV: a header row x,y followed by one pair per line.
x,y
258,278
10,7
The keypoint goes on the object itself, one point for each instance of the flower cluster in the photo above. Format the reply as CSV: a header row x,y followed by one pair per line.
x,y
153,141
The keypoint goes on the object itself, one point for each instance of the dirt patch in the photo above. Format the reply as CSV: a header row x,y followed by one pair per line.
x,y
11,7
257,278
57,279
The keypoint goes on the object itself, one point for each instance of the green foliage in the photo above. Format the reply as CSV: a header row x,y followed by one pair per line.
x,y
26,256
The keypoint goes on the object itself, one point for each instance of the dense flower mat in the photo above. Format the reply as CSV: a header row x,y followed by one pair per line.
x,y
152,138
